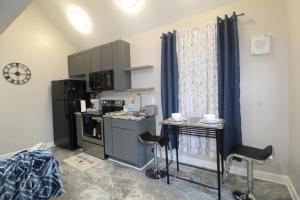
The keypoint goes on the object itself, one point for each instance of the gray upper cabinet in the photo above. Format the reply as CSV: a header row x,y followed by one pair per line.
x,y
95,59
76,65
111,56
101,58
106,57
121,61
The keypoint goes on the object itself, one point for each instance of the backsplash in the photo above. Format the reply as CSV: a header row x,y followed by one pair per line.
x,y
147,99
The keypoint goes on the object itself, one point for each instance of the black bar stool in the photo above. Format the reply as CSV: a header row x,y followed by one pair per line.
x,y
149,139
250,155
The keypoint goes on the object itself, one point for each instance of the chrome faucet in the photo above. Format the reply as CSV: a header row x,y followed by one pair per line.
x,y
133,100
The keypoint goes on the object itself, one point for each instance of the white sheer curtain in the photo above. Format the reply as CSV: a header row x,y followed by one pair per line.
x,y
198,81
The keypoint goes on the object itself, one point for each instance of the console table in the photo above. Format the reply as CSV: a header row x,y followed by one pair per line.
x,y
193,127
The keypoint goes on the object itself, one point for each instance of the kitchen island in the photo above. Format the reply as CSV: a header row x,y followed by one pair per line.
x,y
121,138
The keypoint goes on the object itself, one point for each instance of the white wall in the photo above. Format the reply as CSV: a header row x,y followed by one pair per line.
x,y
9,10
25,111
294,42
264,79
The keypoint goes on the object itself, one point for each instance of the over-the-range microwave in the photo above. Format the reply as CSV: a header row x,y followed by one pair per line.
x,y
103,80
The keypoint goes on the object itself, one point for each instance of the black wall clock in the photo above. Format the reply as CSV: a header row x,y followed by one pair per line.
x,y
17,73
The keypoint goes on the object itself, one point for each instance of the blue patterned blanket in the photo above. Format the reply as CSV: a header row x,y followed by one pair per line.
x,y
30,175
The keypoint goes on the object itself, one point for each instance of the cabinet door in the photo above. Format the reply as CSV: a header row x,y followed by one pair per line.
x,y
106,53
121,60
95,59
87,62
76,64
125,146
108,136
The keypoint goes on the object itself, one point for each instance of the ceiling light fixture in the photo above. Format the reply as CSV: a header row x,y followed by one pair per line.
x,y
79,19
128,3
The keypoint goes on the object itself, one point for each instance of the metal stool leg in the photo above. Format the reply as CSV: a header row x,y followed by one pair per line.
x,y
155,173
155,158
250,178
249,195
227,168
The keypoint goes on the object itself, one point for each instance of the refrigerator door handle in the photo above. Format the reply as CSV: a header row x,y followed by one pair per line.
x,y
65,100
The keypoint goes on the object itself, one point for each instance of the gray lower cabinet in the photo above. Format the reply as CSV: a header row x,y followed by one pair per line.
x,y
76,65
108,136
121,140
125,146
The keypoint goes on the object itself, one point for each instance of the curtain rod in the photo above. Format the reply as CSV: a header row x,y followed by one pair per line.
x,y
242,14
238,15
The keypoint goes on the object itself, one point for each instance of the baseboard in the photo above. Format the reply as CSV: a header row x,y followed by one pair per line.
x,y
8,155
50,144
128,165
292,190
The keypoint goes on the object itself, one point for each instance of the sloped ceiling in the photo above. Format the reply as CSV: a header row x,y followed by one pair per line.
x,y
10,10
109,21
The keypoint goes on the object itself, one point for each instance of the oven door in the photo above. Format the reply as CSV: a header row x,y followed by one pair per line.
x,y
93,129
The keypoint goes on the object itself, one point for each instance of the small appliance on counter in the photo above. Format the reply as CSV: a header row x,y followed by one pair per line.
x,y
93,128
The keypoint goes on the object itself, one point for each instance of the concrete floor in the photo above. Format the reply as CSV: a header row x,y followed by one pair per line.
x,y
112,181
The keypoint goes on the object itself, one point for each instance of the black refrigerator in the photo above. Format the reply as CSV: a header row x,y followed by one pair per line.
x,y
66,96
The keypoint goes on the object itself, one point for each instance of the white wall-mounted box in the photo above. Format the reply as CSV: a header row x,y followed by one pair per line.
x,y
260,44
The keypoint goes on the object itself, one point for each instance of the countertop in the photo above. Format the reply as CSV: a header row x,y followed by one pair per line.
x,y
117,115
125,116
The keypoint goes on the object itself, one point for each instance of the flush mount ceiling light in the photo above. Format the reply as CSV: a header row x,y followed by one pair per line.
x,y
79,19
128,3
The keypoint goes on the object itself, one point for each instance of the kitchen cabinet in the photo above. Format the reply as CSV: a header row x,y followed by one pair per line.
x,y
125,146
108,137
121,140
111,56
106,57
121,61
76,65
101,58
95,62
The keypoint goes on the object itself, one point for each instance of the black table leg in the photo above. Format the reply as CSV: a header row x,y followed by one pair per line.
x,y
218,165
177,160
167,164
166,151
222,149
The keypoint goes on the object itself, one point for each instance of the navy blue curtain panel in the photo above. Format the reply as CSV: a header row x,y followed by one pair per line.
x,y
169,81
229,80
